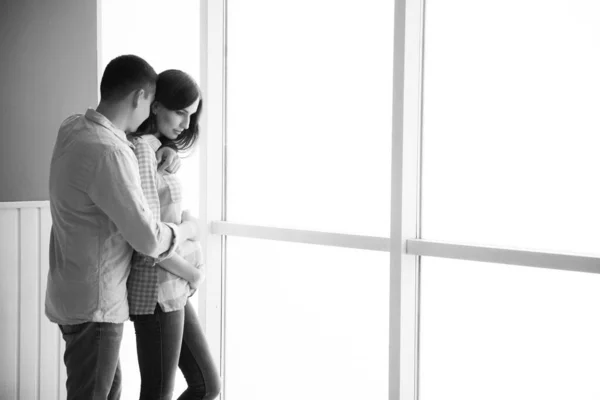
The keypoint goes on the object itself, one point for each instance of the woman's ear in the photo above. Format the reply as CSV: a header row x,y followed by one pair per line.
x,y
154,107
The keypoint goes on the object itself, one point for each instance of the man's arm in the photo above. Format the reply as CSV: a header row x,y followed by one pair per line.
x,y
116,190
188,247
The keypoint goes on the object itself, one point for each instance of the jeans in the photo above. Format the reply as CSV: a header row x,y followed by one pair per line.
x,y
167,340
92,360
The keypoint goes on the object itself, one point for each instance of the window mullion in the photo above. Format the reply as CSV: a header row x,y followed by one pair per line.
x,y
211,154
406,147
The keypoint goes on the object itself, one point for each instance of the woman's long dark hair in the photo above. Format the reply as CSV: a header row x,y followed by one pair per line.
x,y
175,90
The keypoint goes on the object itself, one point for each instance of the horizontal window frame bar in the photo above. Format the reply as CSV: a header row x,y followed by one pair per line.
x,y
417,247
374,243
502,255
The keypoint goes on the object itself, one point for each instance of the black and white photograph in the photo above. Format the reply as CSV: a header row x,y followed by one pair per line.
x,y
291,200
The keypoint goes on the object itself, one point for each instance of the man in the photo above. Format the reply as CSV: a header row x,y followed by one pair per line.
x,y
99,216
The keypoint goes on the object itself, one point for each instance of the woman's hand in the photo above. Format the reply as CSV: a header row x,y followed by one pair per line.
x,y
200,275
168,160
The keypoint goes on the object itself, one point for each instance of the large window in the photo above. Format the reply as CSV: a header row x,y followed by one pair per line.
x,y
378,182
492,155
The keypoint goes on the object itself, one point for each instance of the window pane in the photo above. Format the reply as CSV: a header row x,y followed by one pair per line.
x,y
166,33
305,322
309,97
175,45
511,144
501,332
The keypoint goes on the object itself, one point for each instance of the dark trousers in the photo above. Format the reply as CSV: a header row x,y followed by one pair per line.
x,y
92,360
167,340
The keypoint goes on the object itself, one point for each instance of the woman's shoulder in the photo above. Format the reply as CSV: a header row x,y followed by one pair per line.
x,y
145,139
144,150
145,143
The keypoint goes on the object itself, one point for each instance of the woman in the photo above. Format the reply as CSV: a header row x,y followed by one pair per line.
x,y
168,333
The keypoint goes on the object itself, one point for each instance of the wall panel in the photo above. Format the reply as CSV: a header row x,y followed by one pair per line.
x,y
29,343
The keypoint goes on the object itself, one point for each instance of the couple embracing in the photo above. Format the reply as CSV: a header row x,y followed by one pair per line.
x,y
121,247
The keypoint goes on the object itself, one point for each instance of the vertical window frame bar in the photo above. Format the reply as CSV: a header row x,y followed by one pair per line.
x,y
405,210
212,128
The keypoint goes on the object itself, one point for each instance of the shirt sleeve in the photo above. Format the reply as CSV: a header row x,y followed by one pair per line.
x,y
148,166
117,190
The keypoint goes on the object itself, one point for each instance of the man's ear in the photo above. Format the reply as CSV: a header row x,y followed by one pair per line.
x,y
138,95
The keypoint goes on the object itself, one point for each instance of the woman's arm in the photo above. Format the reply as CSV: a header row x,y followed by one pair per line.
x,y
179,266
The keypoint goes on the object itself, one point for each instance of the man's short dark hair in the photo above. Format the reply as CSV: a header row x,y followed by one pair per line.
x,y
124,75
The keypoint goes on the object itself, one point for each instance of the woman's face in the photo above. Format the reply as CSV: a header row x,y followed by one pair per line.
x,y
171,123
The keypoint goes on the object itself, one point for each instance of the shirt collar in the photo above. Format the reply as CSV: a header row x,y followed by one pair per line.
x,y
100,119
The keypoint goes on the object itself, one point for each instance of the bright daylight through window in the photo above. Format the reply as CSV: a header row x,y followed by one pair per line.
x,y
510,156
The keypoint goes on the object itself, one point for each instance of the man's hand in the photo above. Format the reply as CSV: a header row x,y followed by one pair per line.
x,y
191,248
193,223
168,160
186,215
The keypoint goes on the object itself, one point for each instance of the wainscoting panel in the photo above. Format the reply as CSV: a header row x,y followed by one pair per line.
x,y
9,303
30,345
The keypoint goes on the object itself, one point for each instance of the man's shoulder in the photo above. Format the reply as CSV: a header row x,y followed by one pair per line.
x,y
70,120
91,154
70,124
86,133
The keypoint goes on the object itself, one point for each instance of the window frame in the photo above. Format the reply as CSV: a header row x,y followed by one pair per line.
x,y
404,278
405,244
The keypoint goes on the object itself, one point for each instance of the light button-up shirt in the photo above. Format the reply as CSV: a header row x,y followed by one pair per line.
x,y
99,216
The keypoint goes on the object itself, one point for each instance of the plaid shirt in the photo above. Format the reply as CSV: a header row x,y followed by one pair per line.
x,y
149,286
